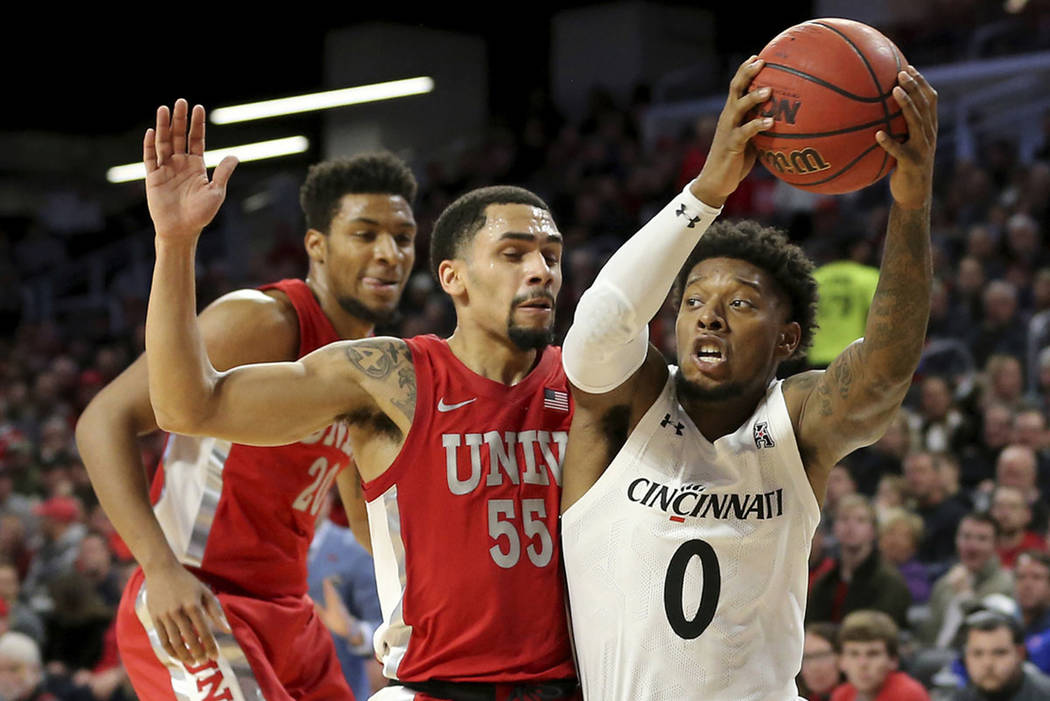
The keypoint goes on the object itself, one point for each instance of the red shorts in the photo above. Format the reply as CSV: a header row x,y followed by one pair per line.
x,y
279,651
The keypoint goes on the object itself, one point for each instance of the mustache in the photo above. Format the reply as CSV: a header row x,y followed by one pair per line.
x,y
528,296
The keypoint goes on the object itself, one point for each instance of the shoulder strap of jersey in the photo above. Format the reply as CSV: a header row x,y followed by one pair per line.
x,y
425,366
315,330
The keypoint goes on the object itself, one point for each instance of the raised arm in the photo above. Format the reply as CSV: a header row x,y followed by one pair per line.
x,y
608,340
267,404
851,404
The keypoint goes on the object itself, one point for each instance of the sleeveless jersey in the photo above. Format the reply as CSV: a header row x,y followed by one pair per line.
x,y
464,527
687,561
242,517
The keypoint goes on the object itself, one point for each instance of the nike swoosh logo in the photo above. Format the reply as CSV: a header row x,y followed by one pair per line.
x,y
442,407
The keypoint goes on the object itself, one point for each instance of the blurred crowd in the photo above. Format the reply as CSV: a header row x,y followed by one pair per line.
x,y
933,540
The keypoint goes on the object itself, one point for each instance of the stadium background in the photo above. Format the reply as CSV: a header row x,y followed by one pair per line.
x,y
605,110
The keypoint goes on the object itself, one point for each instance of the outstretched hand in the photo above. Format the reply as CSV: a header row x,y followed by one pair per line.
x,y
912,180
732,154
181,199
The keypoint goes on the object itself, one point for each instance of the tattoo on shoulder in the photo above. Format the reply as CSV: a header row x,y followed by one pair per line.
x,y
406,385
378,358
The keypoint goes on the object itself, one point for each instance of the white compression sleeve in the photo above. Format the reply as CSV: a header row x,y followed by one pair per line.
x,y
609,336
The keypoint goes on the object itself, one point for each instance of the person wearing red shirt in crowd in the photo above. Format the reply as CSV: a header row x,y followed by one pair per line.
x,y
867,647
1014,516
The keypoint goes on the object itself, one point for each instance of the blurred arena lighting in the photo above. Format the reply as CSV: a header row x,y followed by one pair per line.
x,y
247,152
323,100
1015,6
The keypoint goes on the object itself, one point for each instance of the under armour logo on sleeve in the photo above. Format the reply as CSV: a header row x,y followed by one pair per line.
x,y
692,220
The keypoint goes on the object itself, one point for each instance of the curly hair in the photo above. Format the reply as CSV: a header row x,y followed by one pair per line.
x,y
465,217
380,173
770,250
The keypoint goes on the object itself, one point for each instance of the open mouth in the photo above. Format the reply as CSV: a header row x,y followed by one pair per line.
x,y
537,305
708,351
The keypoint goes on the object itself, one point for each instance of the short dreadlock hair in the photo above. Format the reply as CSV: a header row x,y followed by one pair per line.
x,y
380,173
770,250
462,219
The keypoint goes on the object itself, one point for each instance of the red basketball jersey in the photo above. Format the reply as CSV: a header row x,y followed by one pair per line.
x,y
241,516
465,527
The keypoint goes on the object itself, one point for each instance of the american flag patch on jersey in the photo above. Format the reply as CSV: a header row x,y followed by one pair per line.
x,y
553,399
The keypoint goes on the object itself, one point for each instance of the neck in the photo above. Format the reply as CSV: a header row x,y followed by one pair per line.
x,y
850,558
346,324
1011,539
720,417
1033,615
490,355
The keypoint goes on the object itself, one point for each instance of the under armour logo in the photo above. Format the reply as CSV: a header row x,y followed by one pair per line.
x,y
677,427
692,220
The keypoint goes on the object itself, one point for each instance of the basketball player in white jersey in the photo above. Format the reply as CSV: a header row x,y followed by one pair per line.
x,y
691,493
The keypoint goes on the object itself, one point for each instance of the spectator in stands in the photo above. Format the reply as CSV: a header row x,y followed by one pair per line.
x,y
976,575
1001,330
969,281
939,424
869,465
21,671
840,485
994,658
342,584
820,665
1018,467
947,466
900,533
1004,381
940,514
821,559
1032,576
21,617
1029,430
62,531
868,655
861,578
978,459
891,494
1011,511
1038,331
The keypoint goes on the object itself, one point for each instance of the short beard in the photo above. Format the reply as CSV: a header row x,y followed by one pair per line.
x,y
530,339
376,317
689,391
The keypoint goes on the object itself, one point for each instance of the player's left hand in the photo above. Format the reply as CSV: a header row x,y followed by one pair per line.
x,y
912,181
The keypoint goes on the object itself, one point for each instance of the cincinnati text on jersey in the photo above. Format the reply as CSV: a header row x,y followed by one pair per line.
x,y
693,501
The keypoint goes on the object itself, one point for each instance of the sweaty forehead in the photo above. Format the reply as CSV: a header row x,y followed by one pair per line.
x,y
519,219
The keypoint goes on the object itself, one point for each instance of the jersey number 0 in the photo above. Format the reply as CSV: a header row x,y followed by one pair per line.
x,y
674,584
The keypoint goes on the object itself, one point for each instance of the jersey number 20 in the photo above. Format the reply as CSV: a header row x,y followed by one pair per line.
x,y
674,583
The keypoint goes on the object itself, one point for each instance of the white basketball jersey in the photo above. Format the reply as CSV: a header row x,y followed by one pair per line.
x,y
687,561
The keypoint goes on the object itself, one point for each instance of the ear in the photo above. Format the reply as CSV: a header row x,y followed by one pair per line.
x,y
316,244
450,275
788,339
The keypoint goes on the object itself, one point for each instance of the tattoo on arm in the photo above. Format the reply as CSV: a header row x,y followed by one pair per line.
x,y
377,359
406,385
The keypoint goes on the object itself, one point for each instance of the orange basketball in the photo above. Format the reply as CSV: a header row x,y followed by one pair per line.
x,y
832,82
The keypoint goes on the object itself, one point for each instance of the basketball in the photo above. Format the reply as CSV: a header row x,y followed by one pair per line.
x,y
832,83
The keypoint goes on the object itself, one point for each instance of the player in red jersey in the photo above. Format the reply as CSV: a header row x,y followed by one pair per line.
x,y
459,442
234,519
